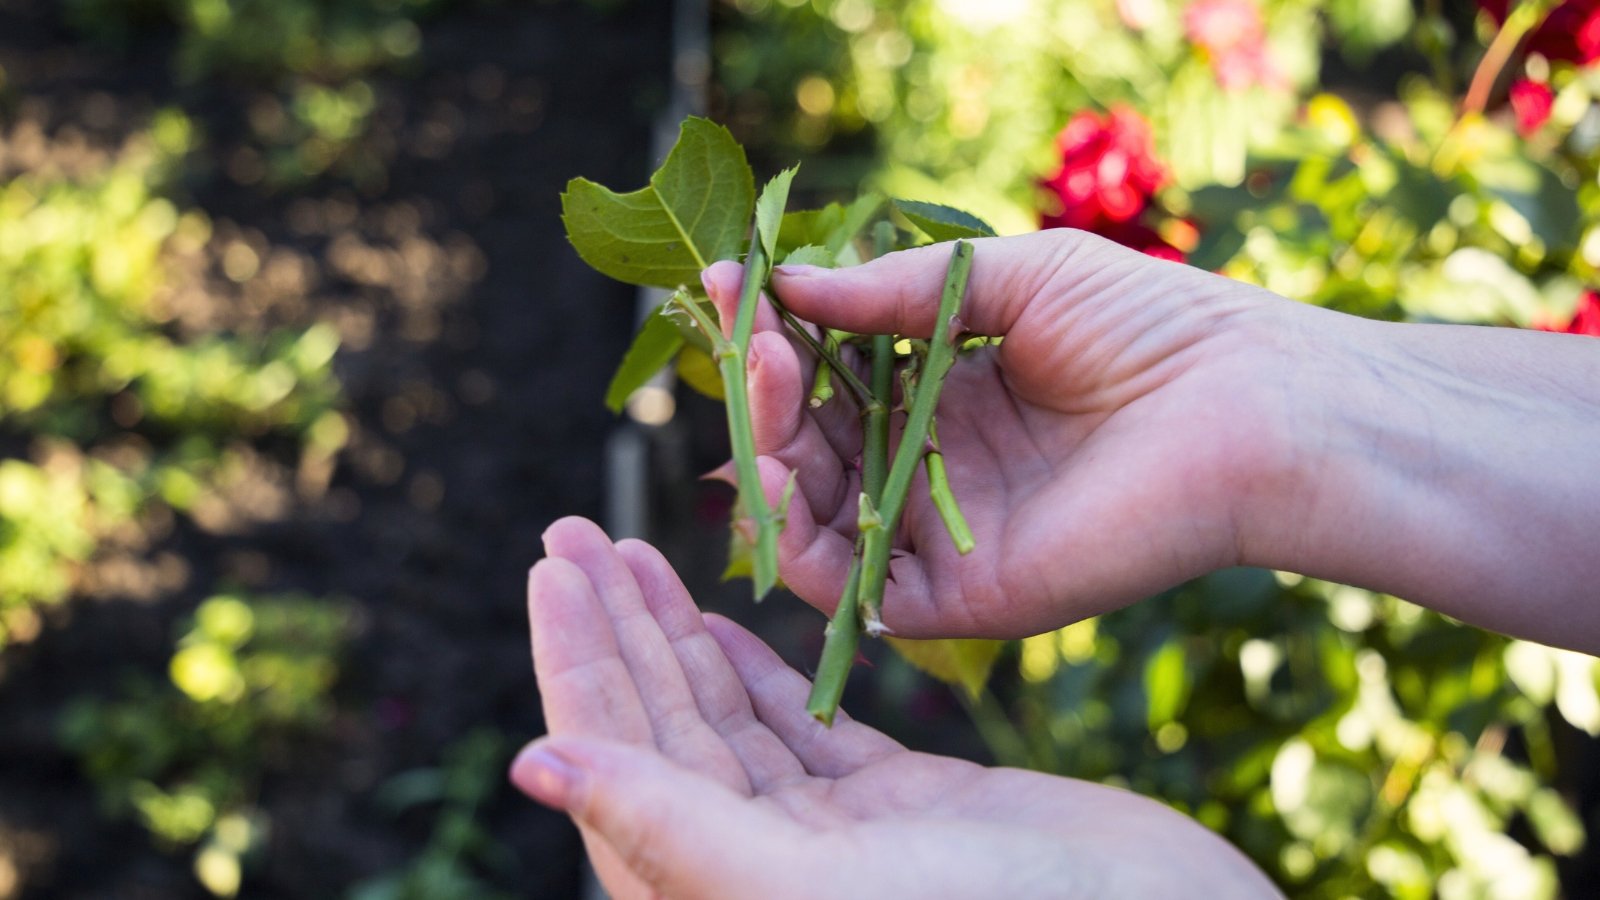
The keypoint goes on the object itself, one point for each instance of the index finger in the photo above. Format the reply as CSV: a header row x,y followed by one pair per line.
x,y
898,293
583,683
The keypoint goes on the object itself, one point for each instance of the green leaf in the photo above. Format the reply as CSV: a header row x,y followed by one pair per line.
x,y
1554,822
810,255
943,223
853,220
413,787
769,209
1166,684
741,560
809,226
1547,206
657,342
1217,247
1363,26
965,662
699,371
1472,285
695,211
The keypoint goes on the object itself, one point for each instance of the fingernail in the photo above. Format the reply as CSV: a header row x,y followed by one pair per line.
x,y
544,776
797,271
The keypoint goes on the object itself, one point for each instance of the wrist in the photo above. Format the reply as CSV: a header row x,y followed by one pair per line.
x,y
1436,463
1304,389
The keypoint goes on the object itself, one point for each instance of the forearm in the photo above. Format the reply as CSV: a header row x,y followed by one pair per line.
x,y
1453,466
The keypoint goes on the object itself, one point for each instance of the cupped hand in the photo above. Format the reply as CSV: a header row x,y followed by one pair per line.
x,y
1109,447
682,748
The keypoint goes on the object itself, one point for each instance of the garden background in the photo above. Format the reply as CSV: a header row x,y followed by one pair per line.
x,y
296,365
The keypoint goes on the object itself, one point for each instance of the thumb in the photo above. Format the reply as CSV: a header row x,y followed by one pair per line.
x,y
899,293
680,832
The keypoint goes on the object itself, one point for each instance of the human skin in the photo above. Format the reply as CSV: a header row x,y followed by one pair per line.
x,y
1144,422
681,746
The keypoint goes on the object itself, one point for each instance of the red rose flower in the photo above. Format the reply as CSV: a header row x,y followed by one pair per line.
x,y
1531,101
1234,39
1570,33
1585,321
1108,173
1108,170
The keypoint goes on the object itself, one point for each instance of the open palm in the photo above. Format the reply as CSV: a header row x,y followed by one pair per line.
x,y
1101,452
681,745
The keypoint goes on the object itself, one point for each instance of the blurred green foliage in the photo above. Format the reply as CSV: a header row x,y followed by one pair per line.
x,y
956,100
187,758
1449,219
313,59
469,774
106,410
326,39
1353,744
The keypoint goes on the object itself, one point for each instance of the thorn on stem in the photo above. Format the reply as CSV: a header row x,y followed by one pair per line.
x,y
958,330
872,625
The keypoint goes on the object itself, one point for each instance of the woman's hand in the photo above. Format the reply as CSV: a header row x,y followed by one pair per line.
x,y
1108,448
1144,422
682,748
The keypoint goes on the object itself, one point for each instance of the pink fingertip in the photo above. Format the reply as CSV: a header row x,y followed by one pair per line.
x,y
544,776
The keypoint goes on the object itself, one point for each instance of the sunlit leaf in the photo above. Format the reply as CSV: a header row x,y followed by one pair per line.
x,y
943,223
810,255
965,662
1166,684
856,217
1364,26
740,564
769,209
696,210
1555,823
1576,694
1537,195
698,370
219,871
809,226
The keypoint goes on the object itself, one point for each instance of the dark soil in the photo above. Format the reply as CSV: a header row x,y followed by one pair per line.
x,y
476,352
474,370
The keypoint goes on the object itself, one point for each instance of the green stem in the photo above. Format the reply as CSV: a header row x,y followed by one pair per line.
x,y
831,360
913,441
684,301
875,434
944,500
1521,19
822,382
844,629
838,650
875,437
731,362
997,730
